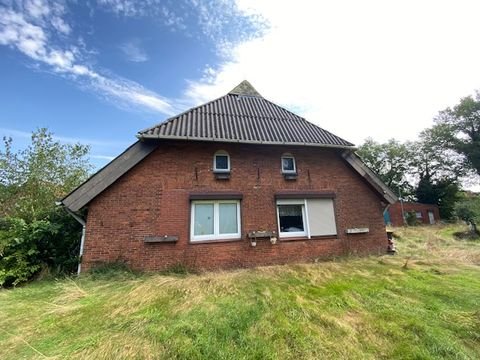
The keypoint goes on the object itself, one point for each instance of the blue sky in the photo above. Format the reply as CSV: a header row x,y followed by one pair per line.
x,y
98,71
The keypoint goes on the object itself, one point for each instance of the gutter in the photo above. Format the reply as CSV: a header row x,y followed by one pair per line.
x,y
142,137
82,240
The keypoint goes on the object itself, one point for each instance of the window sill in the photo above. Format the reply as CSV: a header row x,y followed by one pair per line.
x,y
222,175
304,238
195,242
160,239
290,176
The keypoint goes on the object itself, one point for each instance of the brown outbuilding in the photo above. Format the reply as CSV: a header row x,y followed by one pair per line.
x,y
396,214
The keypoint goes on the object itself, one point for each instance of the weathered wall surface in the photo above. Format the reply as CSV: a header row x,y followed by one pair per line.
x,y
152,199
396,217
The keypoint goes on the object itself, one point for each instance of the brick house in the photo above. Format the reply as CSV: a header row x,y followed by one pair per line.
x,y
236,182
424,213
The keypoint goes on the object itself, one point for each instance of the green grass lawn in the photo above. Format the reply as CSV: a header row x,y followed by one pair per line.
x,y
423,303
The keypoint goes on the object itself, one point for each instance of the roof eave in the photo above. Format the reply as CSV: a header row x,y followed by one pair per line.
x,y
103,178
370,177
256,142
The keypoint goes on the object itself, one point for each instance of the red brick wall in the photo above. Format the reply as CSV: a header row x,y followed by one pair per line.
x,y
395,211
153,199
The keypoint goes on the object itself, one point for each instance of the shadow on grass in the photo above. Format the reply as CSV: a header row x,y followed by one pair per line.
x,y
466,235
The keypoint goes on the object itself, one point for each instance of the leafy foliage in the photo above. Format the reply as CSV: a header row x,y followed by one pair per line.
x,y
430,158
443,192
31,180
425,170
390,160
34,232
19,250
469,211
411,218
459,130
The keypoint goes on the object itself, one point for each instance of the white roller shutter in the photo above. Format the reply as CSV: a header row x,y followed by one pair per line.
x,y
321,217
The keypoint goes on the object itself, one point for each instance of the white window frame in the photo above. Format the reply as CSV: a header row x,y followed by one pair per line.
x,y
288,156
216,223
221,153
306,231
305,215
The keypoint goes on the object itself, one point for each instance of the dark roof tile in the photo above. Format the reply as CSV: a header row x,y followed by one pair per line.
x,y
243,115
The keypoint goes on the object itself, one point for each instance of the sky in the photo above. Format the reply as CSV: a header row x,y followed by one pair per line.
x,y
98,71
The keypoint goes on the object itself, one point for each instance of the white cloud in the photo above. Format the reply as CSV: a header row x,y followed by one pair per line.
x,y
25,29
45,12
221,22
102,157
61,25
123,7
37,8
358,69
133,51
147,8
131,92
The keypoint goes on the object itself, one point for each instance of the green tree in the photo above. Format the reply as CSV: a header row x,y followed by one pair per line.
x,y
423,170
459,130
443,192
391,162
430,158
437,170
34,232
31,180
469,211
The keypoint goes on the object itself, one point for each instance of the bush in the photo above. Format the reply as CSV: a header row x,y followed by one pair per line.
x,y
468,210
18,251
411,218
59,249
26,248
34,232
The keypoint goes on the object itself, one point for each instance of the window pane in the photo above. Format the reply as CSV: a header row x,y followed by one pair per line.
x,y
221,162
287,164
228,218
291,218
203,219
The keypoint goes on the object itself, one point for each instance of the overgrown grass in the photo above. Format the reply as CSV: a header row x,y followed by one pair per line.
x,y
356,308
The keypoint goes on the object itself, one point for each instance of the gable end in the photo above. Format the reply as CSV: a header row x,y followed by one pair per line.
x,y
106,176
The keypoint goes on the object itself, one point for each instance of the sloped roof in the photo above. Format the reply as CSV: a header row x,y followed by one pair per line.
x,y
107,175
243,116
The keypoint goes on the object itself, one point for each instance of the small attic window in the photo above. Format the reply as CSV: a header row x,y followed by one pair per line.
x,y
288,164
221,162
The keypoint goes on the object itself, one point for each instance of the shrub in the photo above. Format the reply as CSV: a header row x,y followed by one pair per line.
x,y
411,218
18,251
26,248
468,210
34,232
